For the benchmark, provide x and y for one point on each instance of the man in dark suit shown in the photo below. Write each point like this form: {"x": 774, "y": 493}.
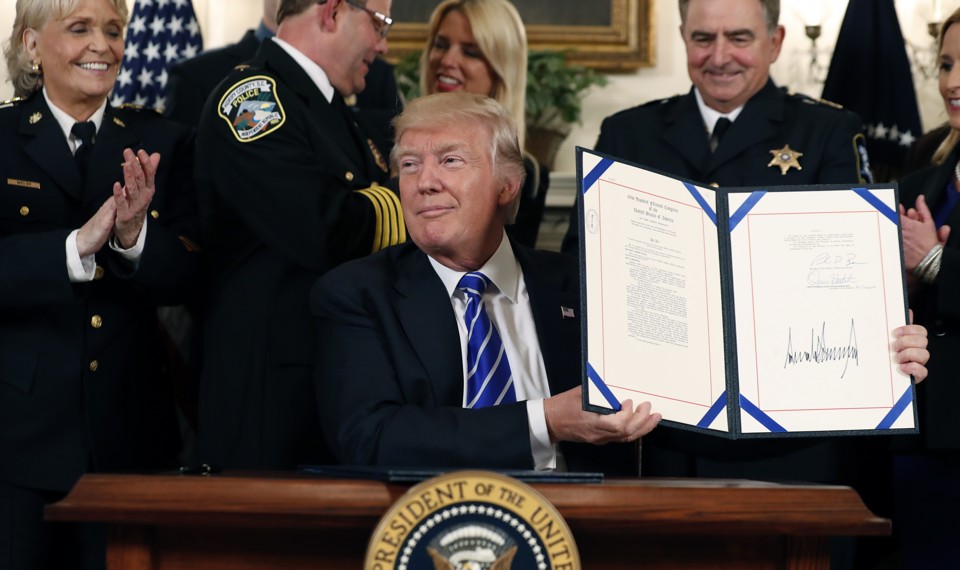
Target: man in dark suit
{"x": 766, "y": 135}
{"x": 288, "y": 189}
{"x": 393, "y": 375}
{"x": 191, "y": 81}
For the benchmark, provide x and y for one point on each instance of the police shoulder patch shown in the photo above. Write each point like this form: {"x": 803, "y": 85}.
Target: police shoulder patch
{"x": 862, "y": 158}
{"x": 252, "y": 108}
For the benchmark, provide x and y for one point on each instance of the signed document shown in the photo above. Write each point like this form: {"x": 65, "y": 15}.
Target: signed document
{"x": 743, "y": 312}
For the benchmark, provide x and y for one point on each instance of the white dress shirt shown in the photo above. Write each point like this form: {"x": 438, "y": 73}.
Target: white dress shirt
{"x": 83, "y": 269}
{"x": 711, "y": 116}
{"x": 508, "y": 305}
{"x": 316, "y": 73}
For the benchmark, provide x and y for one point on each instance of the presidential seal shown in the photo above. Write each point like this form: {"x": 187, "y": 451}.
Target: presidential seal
{"x": 472, "y": 520}
{"x": 252, "y": 108}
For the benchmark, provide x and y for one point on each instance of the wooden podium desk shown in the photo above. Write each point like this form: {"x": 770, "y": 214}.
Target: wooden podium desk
{"x": 245, "y": 521}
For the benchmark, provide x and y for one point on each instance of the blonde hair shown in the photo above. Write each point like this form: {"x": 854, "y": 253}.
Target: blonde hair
{"x": 462, "y": 108}
{"x": 501, "y": 37}
{"x": 34, "y": 14}
{"x": 948, "y": 144}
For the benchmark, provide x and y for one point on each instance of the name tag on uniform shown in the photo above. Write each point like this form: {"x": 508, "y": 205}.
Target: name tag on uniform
{"x": 23, "y": 183}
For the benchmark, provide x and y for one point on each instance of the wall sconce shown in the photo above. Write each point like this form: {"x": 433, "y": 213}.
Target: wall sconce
{"x": 813, "y": 13}
{"x": 924, "y": 59}
{"x": 923, "y": 56}
{"x": 818, "y": 69}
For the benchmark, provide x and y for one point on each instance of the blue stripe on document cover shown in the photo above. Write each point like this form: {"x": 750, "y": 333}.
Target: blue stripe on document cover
{"x": 714, "y": 411}
{"x": 887, "y": 211}
{"x": 601, "y": 385}
{"x": 703, "y": 203}
{"x": 591, "y": 178}
{"x": 758, "y": 414}
{"x": 745, "y": 208}
{"x": 897, "y": 410}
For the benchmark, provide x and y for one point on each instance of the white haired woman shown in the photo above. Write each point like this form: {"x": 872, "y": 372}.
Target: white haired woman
{"x": 97, "y": 226}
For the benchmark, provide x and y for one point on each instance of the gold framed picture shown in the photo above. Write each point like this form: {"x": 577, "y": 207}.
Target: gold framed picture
{"x": 616, "y": 35}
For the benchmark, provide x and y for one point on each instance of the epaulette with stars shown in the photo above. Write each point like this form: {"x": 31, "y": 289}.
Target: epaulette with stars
{"x": 11, "y": 102}
{"x": 814, "y": 100}
{"x": 663, "y": 101}
{"x": 139, "y": 108}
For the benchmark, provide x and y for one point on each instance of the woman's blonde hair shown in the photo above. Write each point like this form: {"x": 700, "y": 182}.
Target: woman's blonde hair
{"x": 946, "y": 147}
{"x": 501, "y": 37}
{"x": 34, "y": 14}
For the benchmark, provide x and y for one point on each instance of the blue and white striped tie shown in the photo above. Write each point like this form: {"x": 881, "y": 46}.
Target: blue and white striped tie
{"x": 489, "y": 380}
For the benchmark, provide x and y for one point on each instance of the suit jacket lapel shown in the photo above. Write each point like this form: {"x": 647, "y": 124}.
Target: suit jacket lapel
{"x": 757, "y": 122}
{"x": 427, "y": 317}
{"x": 686, "y": 134}
{"x": 48, "y": 147}
{"x": 935, "y": 186}
{"x": 551, "y": 288}
{"x": 113, "y": 136}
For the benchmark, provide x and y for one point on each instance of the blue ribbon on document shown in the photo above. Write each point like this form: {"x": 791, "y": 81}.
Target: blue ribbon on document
{"x": 602, "y": 386}
{"x": 595, "y": 173}
{"x": 745, "y": 208}
{"x": 759, "y": 415}
{"x": 714, "y": 411}
{"x": 887, "y": 211}
{"x": 897, "y": 410}
{"x": 703, "y": 203}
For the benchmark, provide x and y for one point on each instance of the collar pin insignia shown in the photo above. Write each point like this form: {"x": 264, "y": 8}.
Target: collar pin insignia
{"x": 35, "y": 118}
{"x": 377, "y": 157}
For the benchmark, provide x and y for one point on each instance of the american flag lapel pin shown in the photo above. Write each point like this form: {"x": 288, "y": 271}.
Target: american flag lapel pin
{"x": 567, "y": 313}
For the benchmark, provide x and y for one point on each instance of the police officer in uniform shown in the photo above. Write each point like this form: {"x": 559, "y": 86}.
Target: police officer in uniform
{"x": 766, "y": 136}
{"x": 191, "y": 81}
{"x": 98, "y": 227}
{"x": 737, "y": 128}
{"x": 288, "y": 189}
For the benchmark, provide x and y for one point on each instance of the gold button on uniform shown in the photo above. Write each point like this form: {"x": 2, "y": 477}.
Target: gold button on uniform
{"x": 348, "y": 176}
{"x": 714, "y": 185}
{"x": 94, "y": 365}
{"x": 24, "y": 211}
{"x": 96, "y": 321}
{"x": 98, "y": 273}
{"x": 154, "y": 214}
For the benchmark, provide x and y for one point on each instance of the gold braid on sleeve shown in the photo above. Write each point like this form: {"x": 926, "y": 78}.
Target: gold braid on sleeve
{"x": 390, "y": 228}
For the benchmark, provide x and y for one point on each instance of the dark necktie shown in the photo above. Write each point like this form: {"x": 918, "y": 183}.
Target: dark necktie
{"x": 489, "y": 380}
{"x": 719, "y": 129}
{"x": 84, "y": 133}
{"x": 347, "y": 115}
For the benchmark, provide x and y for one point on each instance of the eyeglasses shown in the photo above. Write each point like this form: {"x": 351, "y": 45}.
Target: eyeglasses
{"x": 381, "y": 22}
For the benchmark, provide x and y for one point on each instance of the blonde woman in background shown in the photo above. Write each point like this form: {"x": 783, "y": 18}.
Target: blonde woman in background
{"x": 480, "y": 46}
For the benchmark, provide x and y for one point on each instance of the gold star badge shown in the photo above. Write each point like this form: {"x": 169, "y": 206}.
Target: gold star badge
{"x": 786, "y": 158}
{"x": 35, "y": 118}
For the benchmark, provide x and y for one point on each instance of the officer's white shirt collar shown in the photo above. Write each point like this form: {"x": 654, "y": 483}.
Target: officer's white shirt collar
{"x": 316, "y": 73}
{"x": 502, "y": 269}
{"x": 66, "y": 122}
{"x": 711, "y": 116}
